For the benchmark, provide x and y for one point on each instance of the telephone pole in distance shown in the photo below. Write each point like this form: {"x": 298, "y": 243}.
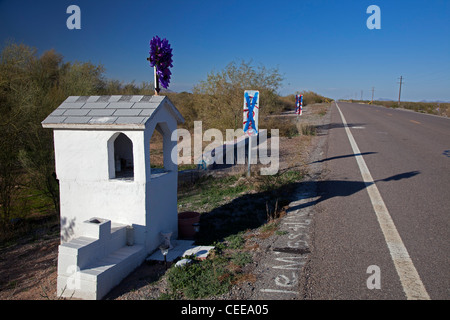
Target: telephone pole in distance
{"x": 373, "y": 90}
{"x": 400, "y": 89}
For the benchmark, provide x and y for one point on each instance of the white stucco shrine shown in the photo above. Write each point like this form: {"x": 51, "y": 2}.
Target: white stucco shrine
{"x": 114, "y": 206}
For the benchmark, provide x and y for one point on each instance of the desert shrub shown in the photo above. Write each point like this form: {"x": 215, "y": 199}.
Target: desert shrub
{"x": 287, "y": 127}
{"x": 308, "y": 129}
{"x": 31, "y": 87}
{"x": 223, "y": 93}
{"x": 436, "y": 108}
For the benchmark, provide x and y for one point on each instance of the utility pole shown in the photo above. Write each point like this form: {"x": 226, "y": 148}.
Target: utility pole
{"x": 361, "y": 94}
{"x": 373, "y": 90}
{"x": 400, "y": 90}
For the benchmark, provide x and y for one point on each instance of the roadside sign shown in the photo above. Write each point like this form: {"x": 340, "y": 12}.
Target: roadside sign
{"x": 251, "y": 110}
{"x": 299, "y": 104}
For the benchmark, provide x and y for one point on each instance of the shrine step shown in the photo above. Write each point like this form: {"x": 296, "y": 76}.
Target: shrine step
{"x": 80, "y": 252}
{"x": 99, "y": 277}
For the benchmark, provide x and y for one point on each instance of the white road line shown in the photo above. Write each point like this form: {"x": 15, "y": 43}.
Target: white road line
{"x": 409, "y": 278}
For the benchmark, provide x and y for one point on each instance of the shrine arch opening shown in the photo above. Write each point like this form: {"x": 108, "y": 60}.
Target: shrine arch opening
{"x": 120, "y": 154}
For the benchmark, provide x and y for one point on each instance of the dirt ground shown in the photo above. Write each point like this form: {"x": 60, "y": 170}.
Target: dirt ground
{"x": 28, "y": 271}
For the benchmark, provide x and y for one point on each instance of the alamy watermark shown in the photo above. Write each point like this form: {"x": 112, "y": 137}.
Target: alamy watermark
{"x": 374, "y": 21}
{"x": 374, "y": 280}
{"x": 74, "y": 20}
{"x": 231, "y": 151}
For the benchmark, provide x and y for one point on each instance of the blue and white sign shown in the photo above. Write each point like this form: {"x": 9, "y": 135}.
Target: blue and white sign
{"x": 251, "y": 110}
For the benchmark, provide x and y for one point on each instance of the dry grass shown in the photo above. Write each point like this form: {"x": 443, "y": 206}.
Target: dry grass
{"x": 244, "y": 278}
{"x": 436, "y": 108}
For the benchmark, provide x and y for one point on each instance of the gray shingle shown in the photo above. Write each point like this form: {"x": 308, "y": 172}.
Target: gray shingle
{"x": 58, "y": 112}
{"x": 103, "y": 120}
{"x": 157, "y": 99}
{"x": 93, "y": 99}
{"x": 146, "y": 105}
{"x": 126, "y": 98}
{"x": 78, "y": 120}
{"x": 104, "y": 99}
{"x": 72, "y": 99}
{"x": 127, "y": 112}
{"x": 120, "y": 105}
{"x": 95, "y": 105}
{"x": 71, "y": 105}
{"x": 145, "y": 98}
{"x": 101, "y": 112}
{"x": 130, "y": 120}
{"x": 146, "y": 112}
{"x": 76, "y": 112}
{"x": 51, "y": 119}
{"x": 136, "y": 98}
{"x": 114, "y": 98}
{"x": 83, "y": 98}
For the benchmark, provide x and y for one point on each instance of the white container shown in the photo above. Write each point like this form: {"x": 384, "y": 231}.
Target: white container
{"x": 130, "y": 236}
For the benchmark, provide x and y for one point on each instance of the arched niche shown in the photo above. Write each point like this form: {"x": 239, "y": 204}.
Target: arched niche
{"x": 120, "y": 157}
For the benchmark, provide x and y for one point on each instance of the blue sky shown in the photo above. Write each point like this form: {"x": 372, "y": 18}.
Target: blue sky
{"x": 318, "y": 45}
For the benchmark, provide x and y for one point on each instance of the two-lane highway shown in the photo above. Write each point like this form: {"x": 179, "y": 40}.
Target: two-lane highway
{"x": 384, "y": 205}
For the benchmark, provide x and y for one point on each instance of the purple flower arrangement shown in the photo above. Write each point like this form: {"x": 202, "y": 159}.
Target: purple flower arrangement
{"x": 161, "y": 58}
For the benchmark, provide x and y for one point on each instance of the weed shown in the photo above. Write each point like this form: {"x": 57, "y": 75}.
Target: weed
{"x": 212, "y": 276}
{"x": 241, "y": 258}
{"x": 308, "y": 129}
{"x": 235, "y": 241}
{"x": 219, "y": 247}
{"x": 269, "y": 227}
{"x": 287, "y": 128}
{"x": 282, "y": 178}
{"x": 322, "y": 112}
{"x": 209, "y": 193}
{"x": 198, "y": 280}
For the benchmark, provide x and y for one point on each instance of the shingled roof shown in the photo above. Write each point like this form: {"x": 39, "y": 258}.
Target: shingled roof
{"x": 101, "y": 112}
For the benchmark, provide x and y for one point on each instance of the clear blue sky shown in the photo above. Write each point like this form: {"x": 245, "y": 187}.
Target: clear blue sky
{"x": 319, "y": 45}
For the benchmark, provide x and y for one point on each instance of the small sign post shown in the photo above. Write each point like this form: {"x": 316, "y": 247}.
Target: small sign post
{"x": 251, "y": 110}
{"x": 299, "y": 105}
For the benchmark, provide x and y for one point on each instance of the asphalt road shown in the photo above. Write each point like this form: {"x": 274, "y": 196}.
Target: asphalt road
{"x": 408, "y": 156}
